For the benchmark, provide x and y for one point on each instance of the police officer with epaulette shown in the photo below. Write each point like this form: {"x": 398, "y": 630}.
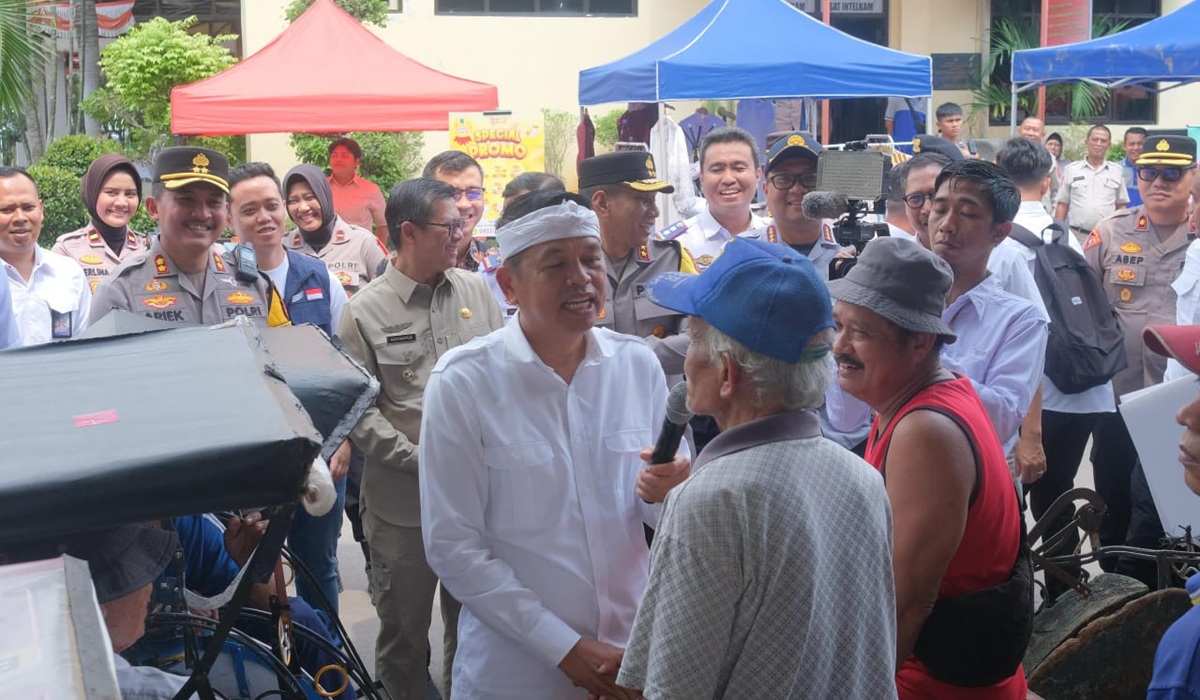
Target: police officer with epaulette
{"x": 791, "y": 174}
{"x": 181, "y": 278}
{"x": 623, "y": 188}
{"x": 1137, "y": 253}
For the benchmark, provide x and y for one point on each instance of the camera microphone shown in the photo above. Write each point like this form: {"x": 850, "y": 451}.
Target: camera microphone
{"x": 674, "y": 425}
{"x": 824, "y": 205}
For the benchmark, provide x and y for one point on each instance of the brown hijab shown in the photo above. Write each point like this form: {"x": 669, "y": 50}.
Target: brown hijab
{"x": 93, "y": 182}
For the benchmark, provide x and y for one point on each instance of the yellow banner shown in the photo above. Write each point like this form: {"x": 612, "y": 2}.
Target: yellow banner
{"x": 505, "y": 145}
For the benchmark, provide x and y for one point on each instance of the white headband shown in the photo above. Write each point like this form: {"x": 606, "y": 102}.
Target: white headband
{"x": 567, "y": 220}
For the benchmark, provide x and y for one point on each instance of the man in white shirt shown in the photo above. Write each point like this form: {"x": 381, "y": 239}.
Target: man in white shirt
{"x": 50, "y": 295}
{"x": 533, "y": 489}
{"x": 1092, "y": 188}
{"x": 1001, "y": 343}
{"x": 1066, "y": 419}
{"x": 729, "y": 173}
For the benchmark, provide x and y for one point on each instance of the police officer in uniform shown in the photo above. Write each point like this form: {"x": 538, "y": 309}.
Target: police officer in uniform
{"x": 1137, "y": 253}
{"x": 111, "y": 190}
{"x": 623, "y": 189}
{"x": 791, "y": 174}
{"x": 181, "y": 278}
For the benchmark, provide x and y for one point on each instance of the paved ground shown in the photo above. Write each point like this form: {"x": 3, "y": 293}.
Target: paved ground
{"x": 358, "y": 615}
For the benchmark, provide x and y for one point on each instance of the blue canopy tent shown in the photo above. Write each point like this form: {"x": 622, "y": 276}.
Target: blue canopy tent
{"x": 782, "y": 53}
{"x": 1163, "y": 50}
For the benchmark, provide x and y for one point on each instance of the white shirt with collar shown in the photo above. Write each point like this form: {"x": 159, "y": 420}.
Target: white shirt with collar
{"x": 1187, "y": 303}
{"x": 703, "y": 236}
{"x": 1001, "y": 348}
{"x": 528, "y": 503}
{"x": 53, "y": 304}
{"x": 1098, "y": 399}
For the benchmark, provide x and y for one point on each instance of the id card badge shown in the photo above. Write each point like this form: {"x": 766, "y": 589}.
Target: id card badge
{"x": 61, "y": 324}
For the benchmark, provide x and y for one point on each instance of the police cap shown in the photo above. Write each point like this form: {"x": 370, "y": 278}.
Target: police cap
{"x": 178, "y": 166}
{"x": 1168, "y": 150}
{"x": 632, "y": 168}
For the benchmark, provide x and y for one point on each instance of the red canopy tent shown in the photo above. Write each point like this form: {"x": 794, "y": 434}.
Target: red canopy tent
{"x": 326, "y": 73}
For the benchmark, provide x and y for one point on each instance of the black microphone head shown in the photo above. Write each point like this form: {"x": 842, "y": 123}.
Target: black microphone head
{"x": 678, "y": 411}
{"x": 824, "y": 205}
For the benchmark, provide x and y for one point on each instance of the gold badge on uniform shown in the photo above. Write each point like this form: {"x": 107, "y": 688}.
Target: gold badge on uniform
{"x": 341, "y": 237}
{"x": 1162, "y": 145}
{"x": 603, "y": 314}
{"x": 828, "y": 232}
{"x": 1130, "y": 248}
{"x": 1126, "y": 274}
{"x": 91, "y": 260}
{"x": 296, "y": 240}
{"x": 916, "y": 147}
{"x": 643, "y": 253}
{"x": 772, "y": 234}
{"x": 160, "y": 301}
{"x": 94, "y": 237}
{"x": 93, "y": 283}
{"x": 408, "y": 375}
{"x": 131, "y": 240}
{"x": 796, "y": 140}
{"x": 217, "y": 258}
{"x": 160, "y": 265}
{"x": 240, "y": 297}
{"x": 1126, "y": 295}
{"x": 155, "y": 286}
{"x": 704, "y": 260}
{"x": 1142, "y": 224}
{"x": 1093, "y": 240}
{"x": 650, "y": 166}
{"x": 658, "y": 332}
{"x": 344, "y": 278}
{"x": 464, "y": 312}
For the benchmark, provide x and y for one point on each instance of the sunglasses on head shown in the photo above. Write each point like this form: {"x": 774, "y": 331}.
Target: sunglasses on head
{"x": 1150, "y": 173}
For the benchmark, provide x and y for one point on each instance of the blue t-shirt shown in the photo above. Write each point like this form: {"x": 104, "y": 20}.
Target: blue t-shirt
{"x": 1135, "y": 197}
{"x": 1177, "y": 661}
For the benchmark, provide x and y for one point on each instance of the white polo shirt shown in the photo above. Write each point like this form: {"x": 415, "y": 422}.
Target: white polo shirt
{"x": 53, "y": 304}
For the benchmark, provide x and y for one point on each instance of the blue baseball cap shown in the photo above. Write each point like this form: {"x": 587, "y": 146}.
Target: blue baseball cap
{"x": 765, "y": 296}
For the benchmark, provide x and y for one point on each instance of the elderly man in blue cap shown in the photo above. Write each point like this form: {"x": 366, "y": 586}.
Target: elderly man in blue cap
{"x": 750, "y": 548}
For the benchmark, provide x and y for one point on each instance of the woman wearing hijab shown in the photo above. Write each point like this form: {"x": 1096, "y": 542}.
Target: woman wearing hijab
{"x": 111, "y": 191}
{"x": 352, "y": 254}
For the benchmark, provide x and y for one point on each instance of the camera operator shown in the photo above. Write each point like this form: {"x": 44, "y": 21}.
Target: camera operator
{"x": 791, "y": 174}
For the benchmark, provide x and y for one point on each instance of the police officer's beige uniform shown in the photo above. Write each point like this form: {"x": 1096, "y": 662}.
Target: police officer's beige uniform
{"x": 627, "y": 309}
{"x": 353, "y": 254}
{"x": 151, "y": 284}
{"x": 398, "y": 329}
{"x": 88, "y": 248}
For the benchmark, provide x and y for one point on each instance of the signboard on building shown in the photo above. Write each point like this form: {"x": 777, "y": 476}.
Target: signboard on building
{"x": 505, "y": 145}
{"x": 841, "y": 7}
{"x": 1066, "y": 21}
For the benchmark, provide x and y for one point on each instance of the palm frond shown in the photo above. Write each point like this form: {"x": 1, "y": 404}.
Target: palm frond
{"x": 23, "y": 51}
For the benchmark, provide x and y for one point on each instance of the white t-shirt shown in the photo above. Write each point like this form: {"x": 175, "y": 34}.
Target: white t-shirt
{"x": 337, "y": 299}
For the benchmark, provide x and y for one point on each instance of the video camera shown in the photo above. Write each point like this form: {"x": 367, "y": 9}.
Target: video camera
{"x": 851, "y": 183}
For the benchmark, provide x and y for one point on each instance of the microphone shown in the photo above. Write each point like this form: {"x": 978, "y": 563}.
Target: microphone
{"x": 678, "y": 415}
{"x": 824, "y": 205}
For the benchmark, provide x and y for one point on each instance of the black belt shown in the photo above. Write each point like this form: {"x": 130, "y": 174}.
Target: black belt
{"x": 1080, "y": 229}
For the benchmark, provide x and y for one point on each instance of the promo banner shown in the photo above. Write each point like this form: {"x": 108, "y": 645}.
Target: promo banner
{"x": 505, "y": 145}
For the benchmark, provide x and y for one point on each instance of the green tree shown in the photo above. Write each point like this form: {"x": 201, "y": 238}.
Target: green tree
{"x": 606, "y": 129}
{"x": 64, "y": 210}
{"x": 373, "y": 11}
{"x": 76, "y": 152}
{"x": 142, "y": 66}
{"x": 22, "y": 52}
{"x": 389, "y": 158}
{"x": 558, "y": 133}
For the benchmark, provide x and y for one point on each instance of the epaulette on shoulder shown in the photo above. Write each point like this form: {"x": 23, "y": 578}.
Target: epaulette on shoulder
{"x": 673, "y": 231}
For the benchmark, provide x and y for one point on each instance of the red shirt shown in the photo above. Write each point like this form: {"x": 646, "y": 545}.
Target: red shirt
{"x": 990, "y": 540}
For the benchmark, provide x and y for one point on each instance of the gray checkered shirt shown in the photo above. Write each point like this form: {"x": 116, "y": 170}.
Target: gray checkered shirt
{"x": 771, "y": 574}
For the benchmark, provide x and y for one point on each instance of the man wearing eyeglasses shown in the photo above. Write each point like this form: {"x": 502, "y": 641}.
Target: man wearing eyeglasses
{"x": 397, "y": 327}
{"x": 465, "y": 175}
{"x": 791, "y": 174}
{"x": 1138, "y": 253}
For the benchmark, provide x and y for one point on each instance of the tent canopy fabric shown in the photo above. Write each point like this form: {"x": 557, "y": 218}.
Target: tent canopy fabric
{"x": 783, "y": 53}
{"x": 1166, "y": 49}
{"x": 325, "y": 73}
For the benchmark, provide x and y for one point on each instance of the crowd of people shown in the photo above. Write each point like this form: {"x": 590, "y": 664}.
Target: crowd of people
{"x": 844, "y": 518}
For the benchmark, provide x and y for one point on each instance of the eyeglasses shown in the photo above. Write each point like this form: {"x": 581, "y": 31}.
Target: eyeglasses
{"x": 787, "y": 182}
{"x": 916, "y": 200}
{"x": 474, "y": 194}
{"x": 1150, "y": 174}
{"x": 451, "y": 228}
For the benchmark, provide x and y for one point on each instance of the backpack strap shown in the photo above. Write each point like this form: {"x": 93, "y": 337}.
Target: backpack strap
{"x": 1058, "y": 231}
{"x": 1024, "y": 236}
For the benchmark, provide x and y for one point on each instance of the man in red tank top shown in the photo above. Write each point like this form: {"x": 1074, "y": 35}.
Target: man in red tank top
{"x": 957, "y": 527}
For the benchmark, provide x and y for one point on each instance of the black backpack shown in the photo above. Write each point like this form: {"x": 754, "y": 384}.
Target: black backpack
{"x": 1087, "y": 345}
